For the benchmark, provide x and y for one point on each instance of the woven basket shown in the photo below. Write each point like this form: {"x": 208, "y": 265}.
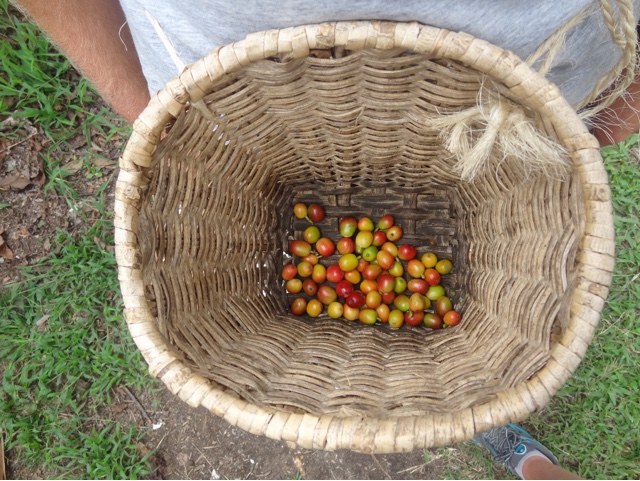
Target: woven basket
{"x": 334, "y": 113}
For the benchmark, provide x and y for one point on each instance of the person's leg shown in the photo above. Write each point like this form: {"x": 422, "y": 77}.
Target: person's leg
{"x": 94, "y": 35}
{"x": 538, "y": 467}
{"x": 522, "y": 454}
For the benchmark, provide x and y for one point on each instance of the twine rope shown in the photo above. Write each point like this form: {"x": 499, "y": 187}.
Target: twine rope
{"x": 496, "y": 123}
{"x": 625, "y": 35}
{"x": 175, "y": 58}
{"x": 552, "y": 46}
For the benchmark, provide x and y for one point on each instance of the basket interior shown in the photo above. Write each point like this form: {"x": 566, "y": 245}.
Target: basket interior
{"x": 349, "y": 133}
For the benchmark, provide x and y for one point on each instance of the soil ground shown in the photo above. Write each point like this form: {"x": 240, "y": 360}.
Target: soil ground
{"x": 194, "y": 444}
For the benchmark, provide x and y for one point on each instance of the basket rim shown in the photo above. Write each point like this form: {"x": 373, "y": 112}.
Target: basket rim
{"x": 369, "y": 434}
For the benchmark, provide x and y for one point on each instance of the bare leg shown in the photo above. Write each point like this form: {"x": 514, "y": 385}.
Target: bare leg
{"x": 621, "y": 119}
{"x": 541, "y": 468}
{"x": 93, "y": 34}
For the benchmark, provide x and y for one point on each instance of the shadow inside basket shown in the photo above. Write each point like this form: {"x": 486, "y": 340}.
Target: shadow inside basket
{"x": 217, "y": 220}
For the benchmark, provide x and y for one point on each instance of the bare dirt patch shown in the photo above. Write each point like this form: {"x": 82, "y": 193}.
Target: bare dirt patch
{"x": 29, "y": 219}
{"x": 192, "y": 443}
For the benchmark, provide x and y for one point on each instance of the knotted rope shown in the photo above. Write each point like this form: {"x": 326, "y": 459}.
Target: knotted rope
{"x": 496, "y": 124}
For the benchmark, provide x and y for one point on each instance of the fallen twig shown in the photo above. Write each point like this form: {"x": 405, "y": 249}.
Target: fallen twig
{"x": 386, "y": 473}
{"x": 3, "y": 474}
{"x": 6, "y": 149}
{"x": 137, "y": 404}
{"x": 412, "y": 469}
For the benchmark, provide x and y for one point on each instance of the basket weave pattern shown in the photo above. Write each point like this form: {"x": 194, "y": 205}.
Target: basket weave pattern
{"x": 203, "y": 218}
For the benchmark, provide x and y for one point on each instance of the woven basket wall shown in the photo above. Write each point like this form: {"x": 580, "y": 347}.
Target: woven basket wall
{"x": 335, "y": 114}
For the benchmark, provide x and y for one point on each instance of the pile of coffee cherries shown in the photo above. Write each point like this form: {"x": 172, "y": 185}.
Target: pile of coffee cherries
{"x": 374, "y": 279}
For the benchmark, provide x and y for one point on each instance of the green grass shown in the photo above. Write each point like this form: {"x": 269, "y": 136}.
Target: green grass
{"x": 593, "y": 423}
{"x": 58, "y": 376}
{"x": 465, "y": 461}
{"x": 39, "y": 85}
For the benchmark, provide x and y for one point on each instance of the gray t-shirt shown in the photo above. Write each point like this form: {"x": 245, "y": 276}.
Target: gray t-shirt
{"x": 195, "y": 27}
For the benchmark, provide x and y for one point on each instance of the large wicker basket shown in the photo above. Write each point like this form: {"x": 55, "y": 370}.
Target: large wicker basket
{"x": 335, "y": 113}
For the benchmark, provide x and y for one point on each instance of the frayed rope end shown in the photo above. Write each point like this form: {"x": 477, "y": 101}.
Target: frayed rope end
{"x": 488, "y": 134}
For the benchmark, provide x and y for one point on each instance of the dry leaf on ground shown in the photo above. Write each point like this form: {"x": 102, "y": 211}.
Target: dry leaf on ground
{"x": 102, "y": 162}
{"x": 73, "y": 166}
{"x": 5, "y": 252}
{"x": 14, "y": 182}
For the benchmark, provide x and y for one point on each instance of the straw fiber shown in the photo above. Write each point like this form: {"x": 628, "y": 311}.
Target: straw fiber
{"x": 338, "y": 114}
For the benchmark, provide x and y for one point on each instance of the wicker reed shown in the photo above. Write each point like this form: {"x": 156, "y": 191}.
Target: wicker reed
{"x": 334, "y": 113}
